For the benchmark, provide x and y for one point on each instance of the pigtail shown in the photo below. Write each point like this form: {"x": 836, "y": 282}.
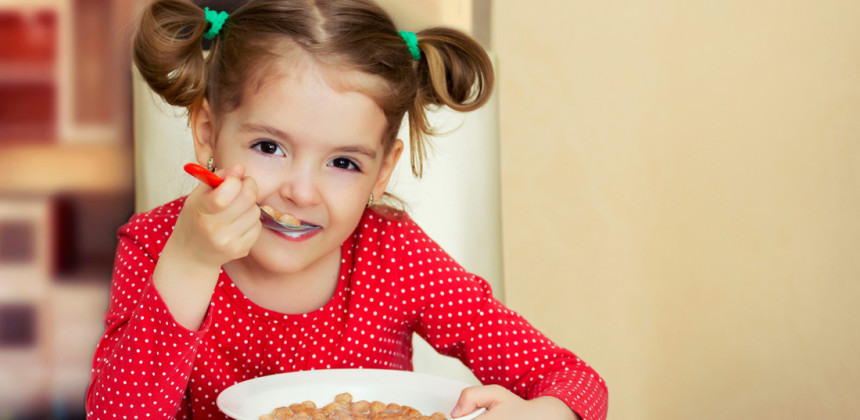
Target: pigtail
{"x": 168, "y": 51}
{"x": 454, "y": 71}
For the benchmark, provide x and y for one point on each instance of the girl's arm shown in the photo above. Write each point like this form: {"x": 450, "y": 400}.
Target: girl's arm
{"x": 166, "y": 269}
{"x": 143, "y": 361}
{"x": 215, "y": 226}
{"x": 502, "y": 404}
{"x": 502, "y": 348}
{"x": 460, "y": 317}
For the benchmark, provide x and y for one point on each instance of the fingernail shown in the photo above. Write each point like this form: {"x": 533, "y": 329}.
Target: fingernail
{"x": 455, "y": 411}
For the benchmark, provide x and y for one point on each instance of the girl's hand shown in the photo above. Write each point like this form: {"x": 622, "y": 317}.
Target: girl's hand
{"x": 219, "y": 225}
{"x": 502, "y": 404}
{"x": 214, "y": 227}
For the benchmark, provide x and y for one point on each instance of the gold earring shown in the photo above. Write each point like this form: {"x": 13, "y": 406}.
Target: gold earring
{"x": 210, "y": 165}
{"x": 370, "y": 203}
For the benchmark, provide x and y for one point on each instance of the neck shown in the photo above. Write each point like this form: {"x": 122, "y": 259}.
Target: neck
{"x": 291, "y": 293}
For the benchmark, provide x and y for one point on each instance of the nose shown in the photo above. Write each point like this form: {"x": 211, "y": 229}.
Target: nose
{"x": 300, "y": 186}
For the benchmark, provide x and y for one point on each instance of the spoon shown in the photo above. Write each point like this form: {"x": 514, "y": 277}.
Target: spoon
{"x": 268, "y": 221}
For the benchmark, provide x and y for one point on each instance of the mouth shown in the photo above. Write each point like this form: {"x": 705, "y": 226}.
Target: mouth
{"x": 284, "y": 222}
{"x": 299, "y": 232}
{"x": 303, "y": 226}
{"x": 285, "y": 219}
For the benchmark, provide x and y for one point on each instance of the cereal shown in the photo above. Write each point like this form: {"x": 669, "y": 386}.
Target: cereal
{"x": 285, "y": 218}
{"x": 289, "y": 219}
{"x": 282, "y": 413}
{"x": 344, "y": 408}
{"x": 343, "y": 399}
{"x": 377, "y": 407}
{"x": 359, "y": 407}
{"x": 268, "y": 209}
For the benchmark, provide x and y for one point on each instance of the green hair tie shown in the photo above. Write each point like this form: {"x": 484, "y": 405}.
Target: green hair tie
{"x": 411, "y": 42}
{"x": 217, "y": 20}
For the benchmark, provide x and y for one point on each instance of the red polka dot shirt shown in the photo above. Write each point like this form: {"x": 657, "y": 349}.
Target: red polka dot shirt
{"x": 394, "y": 281}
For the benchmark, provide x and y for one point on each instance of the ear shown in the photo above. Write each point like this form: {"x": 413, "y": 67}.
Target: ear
{"x": 388, "y": 165}
{"x": 203, "y": 132}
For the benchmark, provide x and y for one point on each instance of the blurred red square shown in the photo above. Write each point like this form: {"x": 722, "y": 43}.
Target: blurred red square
{"x": 28, "y": 36}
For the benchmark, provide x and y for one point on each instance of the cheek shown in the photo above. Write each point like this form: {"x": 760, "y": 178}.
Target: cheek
{"x": 268, "y": 183}
{"x": 229, "y": 158}
{"x": 347, "y": 202}
{"x": 345, "y": 206}
{"x": 349, "y": 188}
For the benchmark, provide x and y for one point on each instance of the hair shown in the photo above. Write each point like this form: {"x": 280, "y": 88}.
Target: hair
{"x": 453, "y": 71}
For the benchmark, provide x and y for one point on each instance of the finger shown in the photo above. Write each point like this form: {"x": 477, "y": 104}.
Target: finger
{"x": 249, "y": 237}
{"x": 247, "y": 186}
{"x": 195, "y": 203}
{"x": 475, "y": 397}
{"x": 248, "y": 220}
{"x": 240, "y": 244}
{"x": 244, "y": 232}
{"x": 244, "y": 204}
{"x": 220, "y": 198}
{"x": 200, "y": 189}
{"x": 251, "y": 185}
{"x": 223, "y": 195}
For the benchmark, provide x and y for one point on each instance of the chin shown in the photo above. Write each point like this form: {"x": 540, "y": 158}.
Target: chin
{"x": 278, "y": 261}
{"x": 277, "y": 256}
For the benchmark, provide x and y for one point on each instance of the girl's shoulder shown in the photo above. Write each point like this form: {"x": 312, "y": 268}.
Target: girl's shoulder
{"x": 398, "y": 248}
{"x": 382, "y": 225}
{"x": 155, "y": 223}
{"x": 393, "y": 233}
{"x": 167, "y": 211}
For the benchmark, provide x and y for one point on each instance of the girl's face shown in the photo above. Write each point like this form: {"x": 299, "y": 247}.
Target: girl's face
{"x": 314, "y": 147}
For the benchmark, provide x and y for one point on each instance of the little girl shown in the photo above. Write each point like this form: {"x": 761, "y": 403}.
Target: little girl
{"x": 299, "y": 103}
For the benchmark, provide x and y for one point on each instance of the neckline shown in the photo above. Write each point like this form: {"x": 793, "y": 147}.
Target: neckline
{"x": 232, "y": 293}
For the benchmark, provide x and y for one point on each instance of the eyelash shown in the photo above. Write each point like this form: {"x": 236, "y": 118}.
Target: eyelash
{"x": 350, "y": 164}
{"x": 259, "y": 147}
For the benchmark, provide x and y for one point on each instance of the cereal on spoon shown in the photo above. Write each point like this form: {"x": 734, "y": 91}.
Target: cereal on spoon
{"x": 281, "y": 217}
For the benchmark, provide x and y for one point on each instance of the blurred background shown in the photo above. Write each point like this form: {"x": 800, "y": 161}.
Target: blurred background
{"x": 680, "y": 190}
{"x": 66, "y": 170}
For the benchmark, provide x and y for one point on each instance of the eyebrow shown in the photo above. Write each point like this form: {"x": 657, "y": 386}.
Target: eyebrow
{"x": 370, "y": 153}
{"x": 257, "y": 128}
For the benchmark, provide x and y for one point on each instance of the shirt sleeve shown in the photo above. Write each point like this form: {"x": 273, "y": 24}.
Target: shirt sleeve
{"x": 463, "y": 320}
{"x": 143, "y": 361}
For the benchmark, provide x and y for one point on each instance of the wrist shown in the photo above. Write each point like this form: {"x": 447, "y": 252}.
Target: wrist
{"x": 182, "y": 246}
{"x": 554, "y": 408}
{"x": 185, "y": 284}
{"x": 181, "y": 264}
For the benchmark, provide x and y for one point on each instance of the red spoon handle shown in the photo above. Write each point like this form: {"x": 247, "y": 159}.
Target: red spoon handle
{"x": 203, "y": 174}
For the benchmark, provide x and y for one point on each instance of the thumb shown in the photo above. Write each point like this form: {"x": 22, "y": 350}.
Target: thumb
{"x": 475, "y": 397}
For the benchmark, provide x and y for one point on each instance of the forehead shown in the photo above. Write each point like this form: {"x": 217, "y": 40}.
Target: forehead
{"x": 286, "y": 58}
{"x": 315, "y": 100}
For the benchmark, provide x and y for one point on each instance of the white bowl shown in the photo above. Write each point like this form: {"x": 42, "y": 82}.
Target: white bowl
{"x": 250, "y": 399}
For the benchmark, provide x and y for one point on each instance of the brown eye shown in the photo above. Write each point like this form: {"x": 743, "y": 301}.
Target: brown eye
{"x": 269, "y": 148}
{"x": 344, "y": 163}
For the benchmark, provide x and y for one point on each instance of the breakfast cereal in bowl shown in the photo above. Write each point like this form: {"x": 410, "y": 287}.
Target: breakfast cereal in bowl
{"x": 344, "y": 394}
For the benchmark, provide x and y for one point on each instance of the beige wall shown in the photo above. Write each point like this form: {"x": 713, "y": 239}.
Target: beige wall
{"x": 681, "y": 191}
